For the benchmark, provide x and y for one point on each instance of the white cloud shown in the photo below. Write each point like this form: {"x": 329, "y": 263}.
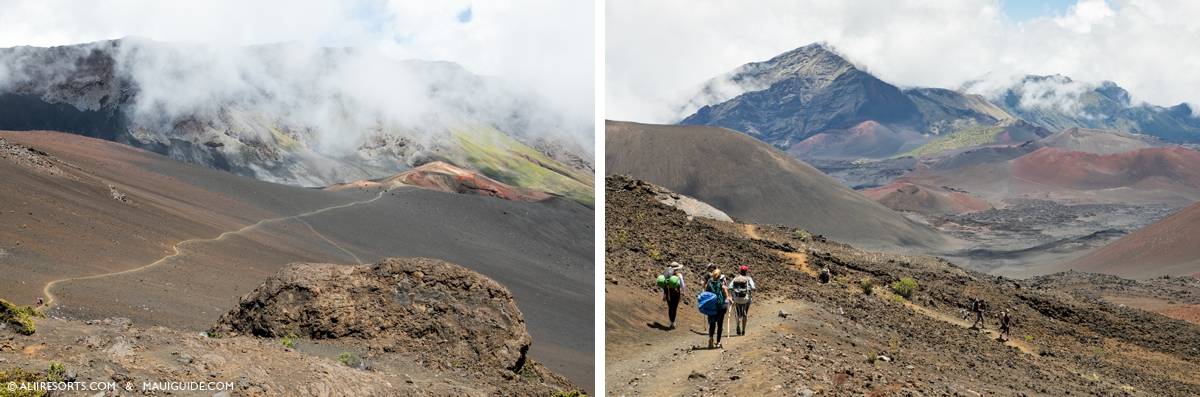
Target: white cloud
{"x": 544, "y": 44}
{"x": 659, "y": 49}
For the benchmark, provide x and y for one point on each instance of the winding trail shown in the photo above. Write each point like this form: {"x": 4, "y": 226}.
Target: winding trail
{"x": 798, "y": 258}
{"x": 50, "y": 296}
{"x": 995, "y": 333}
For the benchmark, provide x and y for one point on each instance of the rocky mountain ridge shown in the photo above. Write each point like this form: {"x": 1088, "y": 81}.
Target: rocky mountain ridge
{"x": 800, "y": 94}
{"x": 282, "y": 112}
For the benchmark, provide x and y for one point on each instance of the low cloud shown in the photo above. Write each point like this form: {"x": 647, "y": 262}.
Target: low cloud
{"x": 288, "y": 55}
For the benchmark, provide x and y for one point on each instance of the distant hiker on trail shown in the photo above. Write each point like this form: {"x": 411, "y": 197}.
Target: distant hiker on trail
{"x": 740, "y": 288}
{"x": 1005, "y": 323}
{"x": 714, "y": 283}
{"x": 977, "y": 308}
{"x": 672, "y": 285}
{"x": 39, "y": 302}
{"x": 824, "y": 277}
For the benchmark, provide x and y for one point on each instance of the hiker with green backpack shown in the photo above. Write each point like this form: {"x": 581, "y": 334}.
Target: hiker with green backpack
{"x": 714, "y": 301}
{"x": 741, "y": 287}
{"x": 671, "y": 282}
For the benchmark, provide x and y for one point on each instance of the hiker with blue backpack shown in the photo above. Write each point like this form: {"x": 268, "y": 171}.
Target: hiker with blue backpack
{"x": 713, "y": 302}
{"x": 741, "y": 287}
{"x": 671, "y": 282}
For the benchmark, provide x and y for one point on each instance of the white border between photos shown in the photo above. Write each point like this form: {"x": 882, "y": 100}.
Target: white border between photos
{"x": 599, "y": 389}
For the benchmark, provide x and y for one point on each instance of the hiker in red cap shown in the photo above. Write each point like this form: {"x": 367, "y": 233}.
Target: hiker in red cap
{"x": 739, "y": 289}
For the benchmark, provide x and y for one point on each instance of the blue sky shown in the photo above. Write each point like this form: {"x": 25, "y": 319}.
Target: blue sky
{"x": 1024, "y": 10}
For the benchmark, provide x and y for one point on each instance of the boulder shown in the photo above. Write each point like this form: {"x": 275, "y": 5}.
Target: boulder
{"x": 415, "y": 305}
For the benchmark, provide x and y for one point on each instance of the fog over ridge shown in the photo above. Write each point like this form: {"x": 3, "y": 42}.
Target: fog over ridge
{"x": 332, "y": 101}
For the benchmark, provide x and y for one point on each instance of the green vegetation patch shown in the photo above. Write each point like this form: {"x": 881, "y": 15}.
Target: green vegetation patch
{"x": 905, "y": 287}
{"x": 19, "y": 376}
{"x": 968, "y": 136}
{"x": 867, "y": 286}
{"x": 21, "y": 316}
{"x": 504, "y": 159}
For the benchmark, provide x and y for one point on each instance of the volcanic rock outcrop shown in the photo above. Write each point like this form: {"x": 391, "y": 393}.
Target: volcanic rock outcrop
{"x": 419, "y": 306}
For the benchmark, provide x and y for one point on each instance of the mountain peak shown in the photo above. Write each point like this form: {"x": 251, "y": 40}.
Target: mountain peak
{"x": 815, "y": 59}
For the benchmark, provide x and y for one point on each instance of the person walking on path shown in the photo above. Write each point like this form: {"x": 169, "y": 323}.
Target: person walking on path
{"x": 825, "y": 274}
{"x": 714, "y": 282}
{"x": 39, "y": 302}
{"x": 1005, "y": 323}
{"x": 673, "y": 292}
{"x": 740, "y": 287}
{"x": 977, "y": 308}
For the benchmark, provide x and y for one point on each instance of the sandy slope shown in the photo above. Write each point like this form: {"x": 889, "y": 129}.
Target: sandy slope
{"x": 755, "y": 182}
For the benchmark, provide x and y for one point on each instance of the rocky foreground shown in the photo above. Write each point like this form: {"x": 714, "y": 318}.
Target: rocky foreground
{"x": 398, "y": 327}
{"x": 808, "y": 338}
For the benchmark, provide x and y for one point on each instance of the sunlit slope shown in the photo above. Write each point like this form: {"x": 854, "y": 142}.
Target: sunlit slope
{"x": 500, "y": 157}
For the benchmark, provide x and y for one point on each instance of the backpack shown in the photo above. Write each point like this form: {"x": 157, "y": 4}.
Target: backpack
{"x": 740, "y": 289}
{"x": 662, "y": 281}
{"x": 706, "y": 302}
{"x": 714, "y": 286}
{"x": 674, "y": 282}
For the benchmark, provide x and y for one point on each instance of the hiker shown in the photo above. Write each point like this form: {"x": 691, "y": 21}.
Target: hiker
{"x": 825, "y": 274}
{"x": 673, "y": 289}
{"x": 977, "y": 308}
{"x": 741, "y": 287}
{"x": 1005, "y": 322}
{"x": 714, "y": 283}
{"x": 39, "y": 302}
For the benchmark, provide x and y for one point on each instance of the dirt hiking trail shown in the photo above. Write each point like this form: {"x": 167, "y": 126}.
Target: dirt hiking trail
{"x": 50, "y": 296}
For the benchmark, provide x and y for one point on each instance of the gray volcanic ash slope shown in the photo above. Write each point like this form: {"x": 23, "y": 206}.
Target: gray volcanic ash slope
{"x": 752, "y": 181}
{"x": 279, "y": 112}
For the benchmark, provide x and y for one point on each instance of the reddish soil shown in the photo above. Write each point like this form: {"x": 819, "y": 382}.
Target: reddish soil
{"x": 905, "y": 196}
{"x": 1172, "y": 168}
{"x": 866, "y": 139}
{"x": 1187, "y": 313}
{"x": 444, "y": 177}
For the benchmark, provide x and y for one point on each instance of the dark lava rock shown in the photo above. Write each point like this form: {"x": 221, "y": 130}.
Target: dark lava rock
{"x": 415, "y": 305}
